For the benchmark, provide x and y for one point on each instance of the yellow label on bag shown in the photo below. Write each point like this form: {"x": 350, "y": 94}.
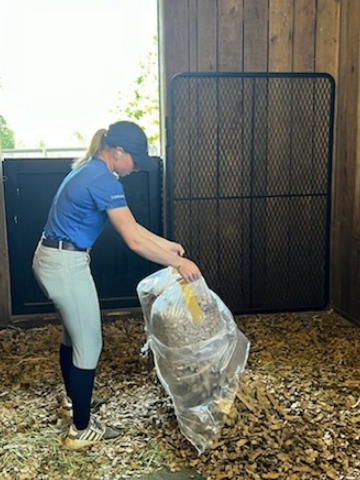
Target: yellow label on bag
{"x": 190, "y": 300}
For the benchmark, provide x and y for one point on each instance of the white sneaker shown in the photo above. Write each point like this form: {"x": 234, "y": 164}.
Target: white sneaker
{"x": 94, "y": 433}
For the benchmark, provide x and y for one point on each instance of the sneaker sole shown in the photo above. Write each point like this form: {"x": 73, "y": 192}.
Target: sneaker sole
{"x": 74, "y": 444}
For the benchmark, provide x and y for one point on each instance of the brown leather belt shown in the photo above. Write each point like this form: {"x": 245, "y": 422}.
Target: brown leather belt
{"x": 61, "y": 245}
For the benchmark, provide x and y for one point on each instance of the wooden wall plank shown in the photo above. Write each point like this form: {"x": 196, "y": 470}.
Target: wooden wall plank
{"x": 193, "y": 36}
{"x": 354, "y": 306}
{"x": 301, "y": 125}
{"x": 280, "y": 35}
{"x": 256, "y": 35}
{"x": 278, "y": 180}
{"x": 231, "y": 32}
{"x": 174, "y": 41}
{"x": 278, "y": 184}
{"x": 235, "y": 247}
{"x": 327, "y": 37}
{"x": 203, "y": 152}
{"x": 232, "y": 162}
{"x": 258, "y": 105}
{"x": 304, "y": 35}
{"x": 5, "y": 300}
{"x": 344, "y": 257}
{"x": 327, "y": 60}
{"x": 207, "y": 35}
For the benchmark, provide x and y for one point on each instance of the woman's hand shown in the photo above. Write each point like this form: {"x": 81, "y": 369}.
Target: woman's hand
{"x": 188, "y": 270}
{"x": 173, "y": 247}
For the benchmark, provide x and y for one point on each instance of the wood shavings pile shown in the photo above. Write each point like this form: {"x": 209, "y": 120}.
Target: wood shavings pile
{"x": 296, "y": 415}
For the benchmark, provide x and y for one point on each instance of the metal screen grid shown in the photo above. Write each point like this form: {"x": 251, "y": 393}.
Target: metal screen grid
{"x": 249, "y": 179}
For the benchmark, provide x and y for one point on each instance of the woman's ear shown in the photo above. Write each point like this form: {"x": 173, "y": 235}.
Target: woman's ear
{"x": 119, "y": 152}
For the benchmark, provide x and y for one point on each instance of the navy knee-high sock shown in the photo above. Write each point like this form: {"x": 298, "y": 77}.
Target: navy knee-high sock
{"x": 81, "y": 387}
{"x": 65, "y": 365}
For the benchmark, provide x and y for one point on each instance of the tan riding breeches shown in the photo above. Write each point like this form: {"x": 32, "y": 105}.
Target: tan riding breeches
{"x": 65, "y": 277}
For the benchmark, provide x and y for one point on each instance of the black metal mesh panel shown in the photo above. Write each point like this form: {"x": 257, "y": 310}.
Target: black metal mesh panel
{"x": 248, "y": 178}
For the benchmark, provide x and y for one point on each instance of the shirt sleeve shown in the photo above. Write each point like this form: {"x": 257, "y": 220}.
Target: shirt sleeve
{"x": 108, "y": 192}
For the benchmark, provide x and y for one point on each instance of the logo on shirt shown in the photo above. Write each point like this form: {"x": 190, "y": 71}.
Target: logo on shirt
{"x": 114, "y": 197}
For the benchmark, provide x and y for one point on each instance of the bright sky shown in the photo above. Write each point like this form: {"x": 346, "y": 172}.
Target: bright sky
{"x": 63, "y": 63}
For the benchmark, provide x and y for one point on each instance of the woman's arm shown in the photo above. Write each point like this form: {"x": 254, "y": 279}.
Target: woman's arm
{"x": 147, "y": 246}
{"x": 161, "y": 241}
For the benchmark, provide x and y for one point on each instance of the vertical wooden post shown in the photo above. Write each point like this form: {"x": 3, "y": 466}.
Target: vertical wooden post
{"x": 327, "y": 60}
{"x": 5, "y": 304}
{"x": 346, "y": 251}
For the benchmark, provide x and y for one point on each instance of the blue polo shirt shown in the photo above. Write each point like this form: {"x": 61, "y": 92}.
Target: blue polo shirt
{"x": 78, "y": 210}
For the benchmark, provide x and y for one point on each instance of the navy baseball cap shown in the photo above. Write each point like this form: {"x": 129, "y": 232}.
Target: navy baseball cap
{"x": 133, "y": 140}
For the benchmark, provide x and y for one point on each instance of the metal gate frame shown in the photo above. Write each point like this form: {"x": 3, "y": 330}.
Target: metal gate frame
{"x": 29, "y": 187}
{"x": 205, "y": 93}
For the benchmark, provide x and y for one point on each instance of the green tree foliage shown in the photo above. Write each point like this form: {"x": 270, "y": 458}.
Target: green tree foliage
{"x": 6, "y": 134}
{"x": 78, "y": 138}
{"x": 141, "y": 104}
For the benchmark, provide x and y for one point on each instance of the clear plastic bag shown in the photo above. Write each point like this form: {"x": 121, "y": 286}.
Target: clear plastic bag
{"x": 198, "y": 351}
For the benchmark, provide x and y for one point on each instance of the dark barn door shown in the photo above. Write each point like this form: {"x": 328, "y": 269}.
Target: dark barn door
{"x": 249, "y": 185}
{"x": 29, "y": 186}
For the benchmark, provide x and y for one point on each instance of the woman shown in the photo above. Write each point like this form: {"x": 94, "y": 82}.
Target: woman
{"x": 88, "y": 196}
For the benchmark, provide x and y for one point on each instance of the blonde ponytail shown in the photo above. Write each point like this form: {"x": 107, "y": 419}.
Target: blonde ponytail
{"x": 95, "y": 147}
